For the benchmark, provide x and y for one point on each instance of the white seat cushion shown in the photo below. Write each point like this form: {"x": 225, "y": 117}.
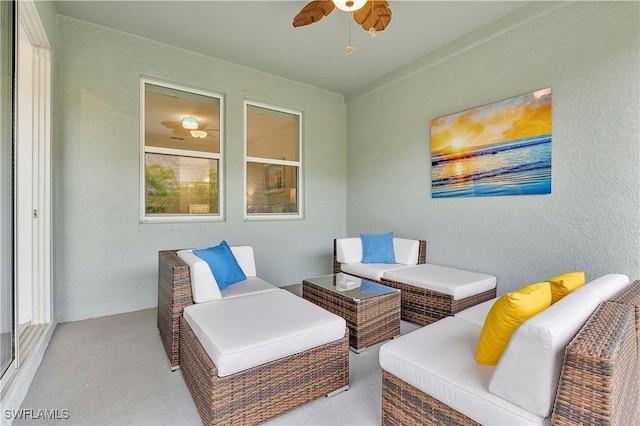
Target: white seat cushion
{"x": 529, "y": 370}
{"x": 477, "y": 313}
{"x": 373, "y": 271}
{"x": 439, "y": 360}
{"x": 242, "y": 332}
{"x": 454, "y": 282}
{"x": 251, "y": 285}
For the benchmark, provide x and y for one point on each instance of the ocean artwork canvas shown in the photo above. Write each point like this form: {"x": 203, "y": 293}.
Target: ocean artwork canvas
{"x": 499, "y": 149}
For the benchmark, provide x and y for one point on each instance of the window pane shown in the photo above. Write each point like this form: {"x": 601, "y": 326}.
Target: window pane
{"x": 271, "y": 188}
{"x": 272, "y": 134}
{"x": 181, "y": 120}
{"x": 180, "y": 185}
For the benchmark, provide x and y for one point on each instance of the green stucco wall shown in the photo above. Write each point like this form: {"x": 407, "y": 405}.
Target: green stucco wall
{"x": 588, "y": 53}
{"x": 105, "y": 259}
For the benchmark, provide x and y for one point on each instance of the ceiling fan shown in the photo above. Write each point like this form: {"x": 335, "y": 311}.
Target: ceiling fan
{"x": 190, "y": 126}
{"x": 371, "y": 15}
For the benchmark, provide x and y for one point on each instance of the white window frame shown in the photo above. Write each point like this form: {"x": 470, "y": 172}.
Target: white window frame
{"x": 299, "y": 164}
{"x": 220, "y": 216}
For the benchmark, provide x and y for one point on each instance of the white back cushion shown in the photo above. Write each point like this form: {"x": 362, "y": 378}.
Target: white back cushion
{"x": 605, "y": 287}
{"x": 406, "y": 251}
{"x": 349, "y": 250}
{"x": 204, "y": 287}
{"x": 529, "y": 370}
{"x": 244, "y": 256}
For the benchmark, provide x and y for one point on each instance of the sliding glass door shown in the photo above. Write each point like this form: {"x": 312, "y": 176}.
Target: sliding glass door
{"x": 7, "y": 195}
{"x": 25, "y": 186}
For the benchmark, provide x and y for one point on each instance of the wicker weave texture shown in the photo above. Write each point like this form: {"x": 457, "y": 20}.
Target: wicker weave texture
{"x": 370, "y": 321}
{"x": 420, "y": 305}
{"x": 598, "y": 384}
{"x": 258, "y": 394}
{"x": 422, "y": 256}
{"x": 630, "y": 296}
{"x": 423, "y": 306}
{"x": 405, "y": 405}
{"x": 599, "y": 381}
{"x": 174, "y": 294}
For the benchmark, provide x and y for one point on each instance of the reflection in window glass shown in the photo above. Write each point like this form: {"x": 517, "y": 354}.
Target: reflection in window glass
{"x": 272, "y": 188}
{"x": 180, "y": 185}
{"x": 272, "y": 134}
{"x": 182, "y": 152}
{"x": 273, "y": 144}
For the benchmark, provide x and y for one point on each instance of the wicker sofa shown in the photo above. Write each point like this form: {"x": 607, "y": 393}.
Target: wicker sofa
{"x": 239, "y": 389}
{"x": 577, "y": 362}
{"x": 428, "y": 292}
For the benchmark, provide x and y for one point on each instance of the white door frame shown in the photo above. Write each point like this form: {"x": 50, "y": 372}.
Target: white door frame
{"x": 39, "y": 187}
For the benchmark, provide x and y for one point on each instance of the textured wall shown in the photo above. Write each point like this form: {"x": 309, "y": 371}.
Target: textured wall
{"x": 47, "y": 14}
{"x": 105, "y": 260}
{"x": 588, "y": 53}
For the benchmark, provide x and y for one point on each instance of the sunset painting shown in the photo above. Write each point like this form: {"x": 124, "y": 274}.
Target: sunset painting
{"x": 499, "y": 149}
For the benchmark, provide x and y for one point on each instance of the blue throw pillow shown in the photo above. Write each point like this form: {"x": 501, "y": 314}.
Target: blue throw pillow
{"x": 378, "y": 248}
{"x": 223, "y": 264}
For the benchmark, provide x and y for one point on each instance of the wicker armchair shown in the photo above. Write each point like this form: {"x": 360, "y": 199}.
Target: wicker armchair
{"x": 599, "y": 383}
{"x": 250, "y": 396}
{"x": 421, "y": 305}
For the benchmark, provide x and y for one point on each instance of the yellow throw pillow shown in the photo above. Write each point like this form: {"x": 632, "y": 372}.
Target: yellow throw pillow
{"x": 565, "y": 284}
{"x": 506, "y": 315}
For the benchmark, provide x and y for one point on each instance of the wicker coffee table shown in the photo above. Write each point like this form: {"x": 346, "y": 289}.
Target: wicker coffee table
{"x": 371, "y": 310}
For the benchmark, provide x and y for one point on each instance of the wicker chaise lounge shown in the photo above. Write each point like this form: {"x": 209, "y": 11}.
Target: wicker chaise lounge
{"x": 596, "y": 372}
{"x": 253, "y": 395}
{"x": 423, "y": 300}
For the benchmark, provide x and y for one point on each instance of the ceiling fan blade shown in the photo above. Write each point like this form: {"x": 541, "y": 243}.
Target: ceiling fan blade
{"x": 176, "y": 127}
{"x": 171, "y": 124}
{"x": 313, "y": 12}
{"x": 375, "y": 14}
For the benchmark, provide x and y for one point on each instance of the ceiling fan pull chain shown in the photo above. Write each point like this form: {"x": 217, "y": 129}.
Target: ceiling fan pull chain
{"x": 372, "y": 30}
{"x": 349, "y": 48}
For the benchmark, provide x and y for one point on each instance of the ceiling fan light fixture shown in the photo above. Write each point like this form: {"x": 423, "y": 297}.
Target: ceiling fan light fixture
{"x": 190, "y": 123}
{"x": 349, "y": 5}
{"x": 198, "y": 134}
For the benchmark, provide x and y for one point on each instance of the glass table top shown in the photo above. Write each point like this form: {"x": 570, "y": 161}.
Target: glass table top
{"x": 350, "y": 286}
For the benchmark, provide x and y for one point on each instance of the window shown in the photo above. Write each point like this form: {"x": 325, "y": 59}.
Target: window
{"x": 182, "y": 153}
{"x": 273, "y": 167}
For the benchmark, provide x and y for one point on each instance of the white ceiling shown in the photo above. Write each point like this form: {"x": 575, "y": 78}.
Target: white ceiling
{"x": 260, "y": 35}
